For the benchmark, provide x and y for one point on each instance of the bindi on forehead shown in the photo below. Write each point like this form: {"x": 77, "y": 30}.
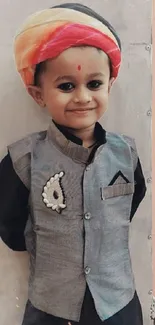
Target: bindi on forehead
{"x": 79, "y": 67}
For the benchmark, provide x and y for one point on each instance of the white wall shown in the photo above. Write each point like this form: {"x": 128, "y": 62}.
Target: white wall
{"x": 129, "y": 113}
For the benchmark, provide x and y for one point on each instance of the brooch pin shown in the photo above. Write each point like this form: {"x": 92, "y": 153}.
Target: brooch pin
{"x": 53, "y": 194}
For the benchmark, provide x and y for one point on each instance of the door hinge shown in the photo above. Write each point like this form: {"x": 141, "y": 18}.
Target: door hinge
{"x": 152, "y": 309}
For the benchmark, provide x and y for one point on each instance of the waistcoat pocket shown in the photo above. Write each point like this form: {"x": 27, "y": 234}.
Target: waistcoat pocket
{"x": 117, "y": 190}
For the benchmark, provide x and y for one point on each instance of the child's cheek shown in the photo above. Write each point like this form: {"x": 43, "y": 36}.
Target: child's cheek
{"x": 103, "y": 97}
{"x": 62, "y": 97}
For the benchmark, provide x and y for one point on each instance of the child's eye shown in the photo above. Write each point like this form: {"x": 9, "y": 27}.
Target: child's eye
{"x": 67, "y": 86}
{"x": 94, "y": 84}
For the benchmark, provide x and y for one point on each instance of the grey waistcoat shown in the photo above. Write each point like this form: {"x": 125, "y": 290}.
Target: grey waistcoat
{"x": 78, "y": 226}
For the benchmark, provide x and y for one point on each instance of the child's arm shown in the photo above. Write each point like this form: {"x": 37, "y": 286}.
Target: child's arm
{"x": 13, "y": 206}
{"x": 140, "y": 189}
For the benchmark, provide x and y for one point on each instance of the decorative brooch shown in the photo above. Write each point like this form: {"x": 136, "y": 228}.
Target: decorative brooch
{"x": 53, "y": 194}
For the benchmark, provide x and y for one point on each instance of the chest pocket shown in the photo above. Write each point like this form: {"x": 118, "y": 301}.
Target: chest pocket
{"x": 117, "y": 190}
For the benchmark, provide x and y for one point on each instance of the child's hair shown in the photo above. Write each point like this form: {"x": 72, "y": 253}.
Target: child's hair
{"x": 41, "y": 67}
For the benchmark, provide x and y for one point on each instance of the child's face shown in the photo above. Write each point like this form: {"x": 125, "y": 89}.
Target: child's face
{"x": 75, "y": 87}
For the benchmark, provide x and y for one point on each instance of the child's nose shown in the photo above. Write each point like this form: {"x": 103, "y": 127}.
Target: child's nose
{"x": 82, "y": 96}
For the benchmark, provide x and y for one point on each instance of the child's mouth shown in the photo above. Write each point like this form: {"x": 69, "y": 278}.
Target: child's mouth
{"x": 81, "y": 111}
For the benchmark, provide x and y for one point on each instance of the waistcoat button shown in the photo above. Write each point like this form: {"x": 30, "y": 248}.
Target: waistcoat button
{"x": 36, "y": 228}
{"x": 87, "y": 270}
{"x": 87, "y": 216}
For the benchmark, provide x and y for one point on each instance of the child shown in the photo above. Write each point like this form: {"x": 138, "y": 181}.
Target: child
{"x": 72, "y": 190}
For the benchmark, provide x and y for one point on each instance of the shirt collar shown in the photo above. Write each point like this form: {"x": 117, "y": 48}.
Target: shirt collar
{"x": 99, "y": 133}
{"x": 71, "y": 145}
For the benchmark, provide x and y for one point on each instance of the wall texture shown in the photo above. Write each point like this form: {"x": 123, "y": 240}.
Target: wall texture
{"x": 153, "y": 158}
{"x": 129, "y": 113}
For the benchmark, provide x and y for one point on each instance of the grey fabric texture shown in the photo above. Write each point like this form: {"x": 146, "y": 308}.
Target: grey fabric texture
{"x": 86, "y": 239}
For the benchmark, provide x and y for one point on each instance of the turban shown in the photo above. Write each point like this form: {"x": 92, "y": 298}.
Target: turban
{"x": 47, "y": 33}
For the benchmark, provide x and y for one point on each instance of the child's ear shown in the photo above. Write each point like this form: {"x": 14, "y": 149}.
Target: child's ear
{"x": 36, "y": 93}
{"x": 110, "y": 84}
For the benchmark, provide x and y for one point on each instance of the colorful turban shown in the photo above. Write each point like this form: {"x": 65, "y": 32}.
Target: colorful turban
{"x": 47, "y": 33}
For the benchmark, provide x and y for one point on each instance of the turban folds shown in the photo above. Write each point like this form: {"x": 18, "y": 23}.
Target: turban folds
{"x": 47, "y": 33}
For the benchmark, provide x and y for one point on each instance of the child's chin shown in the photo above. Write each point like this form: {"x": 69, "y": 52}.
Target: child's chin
{"x": 82, "y": 123}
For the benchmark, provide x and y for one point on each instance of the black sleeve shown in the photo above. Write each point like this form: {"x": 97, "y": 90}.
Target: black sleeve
{"x": 13, "y": 206}
{"x": 140, "y": 189}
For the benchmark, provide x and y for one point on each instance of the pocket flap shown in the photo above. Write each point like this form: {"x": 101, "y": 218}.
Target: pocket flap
{"x": 117, "y": 190}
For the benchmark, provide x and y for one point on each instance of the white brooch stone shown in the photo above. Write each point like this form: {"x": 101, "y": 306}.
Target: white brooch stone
{"x": 53, "y": 195}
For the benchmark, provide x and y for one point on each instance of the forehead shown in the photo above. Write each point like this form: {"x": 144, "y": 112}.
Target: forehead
{"x": 80, "y": 59}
